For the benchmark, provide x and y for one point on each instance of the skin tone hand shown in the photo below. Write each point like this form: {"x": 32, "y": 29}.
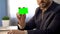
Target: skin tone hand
{"x": 16, "y": 32}
{"x": 21, "y": 19}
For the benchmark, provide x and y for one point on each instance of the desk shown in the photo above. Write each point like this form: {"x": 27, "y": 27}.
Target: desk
{"x": 4, "y": 30}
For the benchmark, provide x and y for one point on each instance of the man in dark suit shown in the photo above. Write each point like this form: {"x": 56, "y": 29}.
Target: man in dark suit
{"x": 45, "y": 21}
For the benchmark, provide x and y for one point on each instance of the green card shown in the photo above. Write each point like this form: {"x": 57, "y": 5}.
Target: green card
{"x": 23, "y": 10}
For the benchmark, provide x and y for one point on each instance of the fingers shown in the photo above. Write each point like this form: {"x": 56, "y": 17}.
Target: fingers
{"x": 20, "y": 16}
{"x": 10, "y": 32}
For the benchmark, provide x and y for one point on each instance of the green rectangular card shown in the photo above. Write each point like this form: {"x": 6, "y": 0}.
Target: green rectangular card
{"x": 23, "y": 10}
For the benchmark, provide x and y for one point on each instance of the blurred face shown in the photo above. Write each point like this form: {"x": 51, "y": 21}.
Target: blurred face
{"x": 43, "y": 3}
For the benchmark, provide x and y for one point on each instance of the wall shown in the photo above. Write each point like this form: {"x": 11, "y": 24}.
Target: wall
{"x": 3, "y": 9}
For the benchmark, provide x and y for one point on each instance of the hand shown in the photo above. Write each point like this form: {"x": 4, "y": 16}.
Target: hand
{"x": 16, "y": 32}
{"x": 21, "y": 19}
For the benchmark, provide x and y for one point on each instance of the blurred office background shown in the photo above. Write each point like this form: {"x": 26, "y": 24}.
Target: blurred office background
{"x": 10, "y": 8}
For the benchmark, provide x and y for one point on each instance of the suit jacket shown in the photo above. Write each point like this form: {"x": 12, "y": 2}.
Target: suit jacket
{"x": 50, "y": 23}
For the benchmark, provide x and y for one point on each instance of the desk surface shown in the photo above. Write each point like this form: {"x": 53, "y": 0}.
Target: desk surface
{"x": 9, "y": 28}
{"x": 4, "y": 30}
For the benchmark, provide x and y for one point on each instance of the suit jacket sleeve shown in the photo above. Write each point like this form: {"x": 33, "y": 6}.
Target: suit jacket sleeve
{"x": 52, "y": 28}
{"x": 31, "y": 23}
